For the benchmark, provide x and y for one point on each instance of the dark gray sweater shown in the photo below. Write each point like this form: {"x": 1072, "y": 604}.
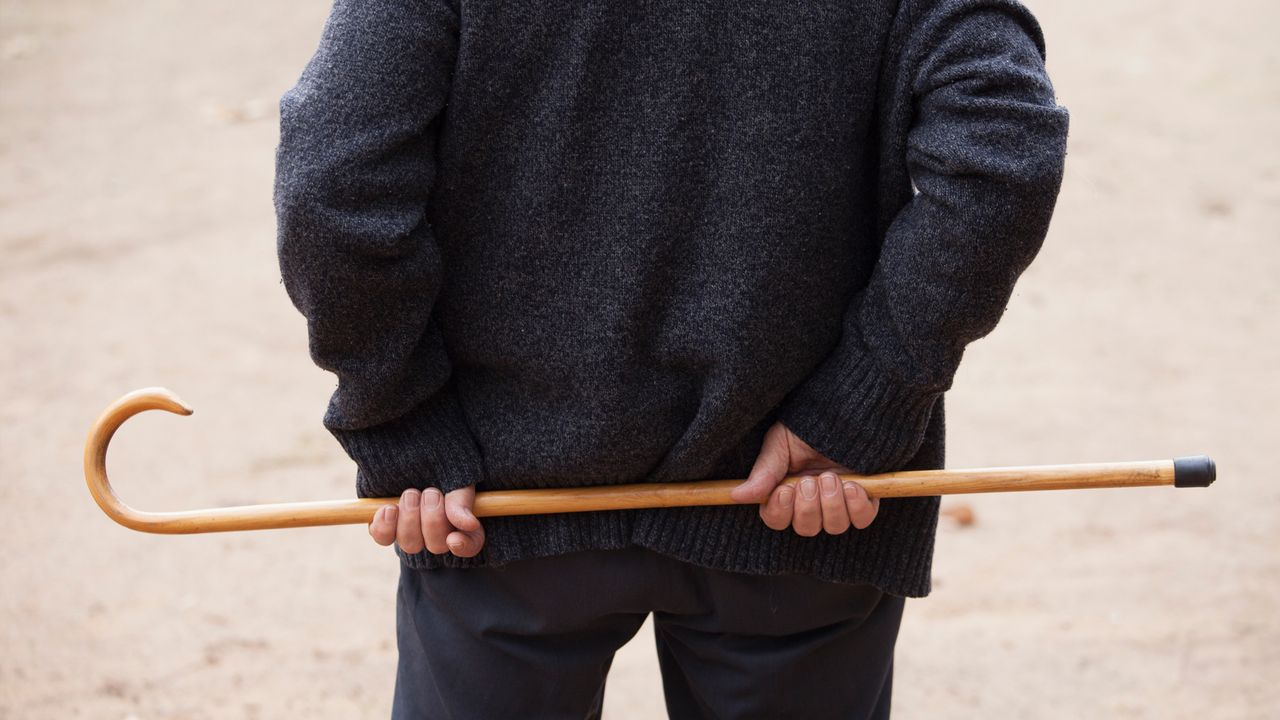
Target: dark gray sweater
{"x": 553, "y": 243}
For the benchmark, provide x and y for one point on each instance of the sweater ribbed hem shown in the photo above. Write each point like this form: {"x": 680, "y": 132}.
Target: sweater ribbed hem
{"x": 895, "y": 554}
{"x": 851, "y": 411}
{"x": 431, "y": 446}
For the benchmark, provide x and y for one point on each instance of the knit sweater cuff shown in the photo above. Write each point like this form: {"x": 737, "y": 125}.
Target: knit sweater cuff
{"x": 856, "y": 414}
{"x": 431, "y": 446}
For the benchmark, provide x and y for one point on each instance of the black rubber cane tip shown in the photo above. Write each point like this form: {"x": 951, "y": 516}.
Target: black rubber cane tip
{"x": 1194, "y": 471}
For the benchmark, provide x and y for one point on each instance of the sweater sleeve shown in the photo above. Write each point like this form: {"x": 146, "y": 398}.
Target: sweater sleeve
{"x": 985, "y": 153}
{"x": 354, "y": 170}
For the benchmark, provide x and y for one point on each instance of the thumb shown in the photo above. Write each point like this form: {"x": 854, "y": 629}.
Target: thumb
{"x": 770, "y": 468}
{"x": 468, "y": 538}
{"x": 458, "y": 508}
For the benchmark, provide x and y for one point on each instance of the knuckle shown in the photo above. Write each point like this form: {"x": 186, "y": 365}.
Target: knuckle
{"x": 774, "y": 522}
{"x": 807, "y": 525}
{"x": 439, "y": 526}
{"x": 835, "y": 527}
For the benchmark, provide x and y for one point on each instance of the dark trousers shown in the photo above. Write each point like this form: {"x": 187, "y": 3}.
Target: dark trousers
{"x": 535, "y": 639}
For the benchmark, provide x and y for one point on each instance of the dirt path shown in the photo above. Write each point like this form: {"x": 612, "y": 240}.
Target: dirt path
{"x": 137, "y": 248}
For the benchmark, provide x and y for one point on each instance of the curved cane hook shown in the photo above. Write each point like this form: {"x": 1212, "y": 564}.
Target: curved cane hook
{"x": 249, "y": 517}
{"x": 95, "y": 451}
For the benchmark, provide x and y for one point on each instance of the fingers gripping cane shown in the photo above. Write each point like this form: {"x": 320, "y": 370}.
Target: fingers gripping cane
{"x": 1198, "y": 471}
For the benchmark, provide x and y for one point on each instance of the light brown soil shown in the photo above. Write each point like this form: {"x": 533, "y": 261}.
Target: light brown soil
{"x": 136, "y": 249}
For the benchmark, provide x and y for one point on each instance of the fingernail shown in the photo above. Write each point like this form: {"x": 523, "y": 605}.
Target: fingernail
{"x": 786, "y": 496}
{"x": 829, "y": 485}
{"x": 808, "y": 488}
{"x": 432, "y": 499}
{"x": 410, "y": 499}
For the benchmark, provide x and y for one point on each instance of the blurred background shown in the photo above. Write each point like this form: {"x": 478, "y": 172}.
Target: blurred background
{"x": 137, "y": 248}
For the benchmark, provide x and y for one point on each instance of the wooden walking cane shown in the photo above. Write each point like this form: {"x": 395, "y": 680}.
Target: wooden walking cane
{"x": 1198, "y": 471}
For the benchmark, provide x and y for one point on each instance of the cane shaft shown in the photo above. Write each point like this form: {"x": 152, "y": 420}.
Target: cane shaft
{"x": 1182, "y": 472}
{"x": 916, "y": 483}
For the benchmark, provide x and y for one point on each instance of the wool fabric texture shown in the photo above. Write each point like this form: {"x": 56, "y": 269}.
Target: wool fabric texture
{"x": 545, "y": 243}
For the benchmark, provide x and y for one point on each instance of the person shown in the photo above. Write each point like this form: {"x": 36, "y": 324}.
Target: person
{"x": 553, "y": 244}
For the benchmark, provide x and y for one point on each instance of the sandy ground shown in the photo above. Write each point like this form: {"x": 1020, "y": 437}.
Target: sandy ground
{"x": 137, "y": 249}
